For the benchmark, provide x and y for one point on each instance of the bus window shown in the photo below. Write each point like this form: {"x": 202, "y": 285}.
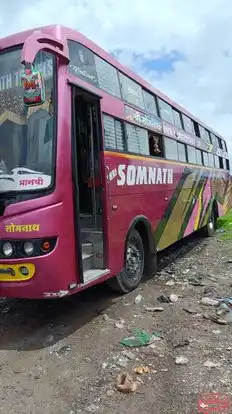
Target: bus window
{"x": 192, "y": 157}
{"x": 155, "y": 145}
{"x": 219, "y": 142}
{"x": 214, "y": 140}
{"x": 216, "y": 161}
{"x": 150, "y": 103}
{"x": 205, "y": 159}
{"x": 196, "y": 129}
{"x": 113, "y": 133}
{"x": 165, "y": 111}
{"x": 224, "y": 146}
{"x": 131, "y": 91}
{"x": 137, "y": 140}
{"x": 199, "y": 157}
{"x": 205, "y": 135}
{"x": 177, "y": 118}
{"x": 221, "y": 166}
{"x": 224, "y": 164}
{"x": 171, "y": 152}
{"x": 188, "y": 124}
{"x": 211, "y": 160}
{"x": 181, "y": 152}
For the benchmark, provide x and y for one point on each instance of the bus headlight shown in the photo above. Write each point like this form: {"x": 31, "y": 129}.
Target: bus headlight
{"x": 28, "y": 248}
{"x": 7, "y": 249}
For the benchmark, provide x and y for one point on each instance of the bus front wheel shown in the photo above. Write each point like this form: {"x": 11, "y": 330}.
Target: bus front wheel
{"x": 130, "y": 277}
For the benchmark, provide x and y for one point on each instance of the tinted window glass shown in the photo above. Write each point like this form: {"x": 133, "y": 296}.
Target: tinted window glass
{"x": 82, "y": 63}
{"x": 131, "y": 91}
{"x": 214, "y": 140}
{"x": 204, "y": 134}
{"x": 224, "y": 146}
{"x": 107, "y": 77}
{"x": 205, "y": 158}
{"x": 113, "y": 133}
{"x": 181, "y": 152}
{"x": 192, "y": 157}
{"x": 177, "y": 118}
{"x": 199, "y": 156}
{"x": 219, "y": 142}
{"x": 228, "y": 165}
{"x": 211, "y": 160}
{"x": 196, "y": 128}
{"x": 150, "y": 103}
{"x": 188, "y": 124}
{"x": 165, "y": 111}
{"x": 137, "y": 140}
{"x": 216, "y": 161}
{"x": 92, "y": 69}
{"x": 171, "y": 151}
{"x": 224, "y": 164}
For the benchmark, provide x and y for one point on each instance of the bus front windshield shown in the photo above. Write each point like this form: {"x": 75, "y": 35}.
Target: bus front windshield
{"x": 26, "y": 133}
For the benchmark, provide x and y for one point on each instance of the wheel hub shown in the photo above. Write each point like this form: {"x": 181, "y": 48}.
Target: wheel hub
{"x": 133, "y": 262}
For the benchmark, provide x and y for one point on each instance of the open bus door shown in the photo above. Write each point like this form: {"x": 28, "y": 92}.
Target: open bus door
{"x": 86, "y": 158}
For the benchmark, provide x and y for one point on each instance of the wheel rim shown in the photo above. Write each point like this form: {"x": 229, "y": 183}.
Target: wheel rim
{"x": 211, "y": 223}
{"x": 134, "y": 262}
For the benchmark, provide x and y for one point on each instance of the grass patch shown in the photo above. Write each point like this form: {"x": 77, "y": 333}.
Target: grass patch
{"x": 224, "y": 225}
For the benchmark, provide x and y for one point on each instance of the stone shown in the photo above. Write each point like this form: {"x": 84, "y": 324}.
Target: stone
{"x": 173, "y": 298}
{"x": 181, "y": 360}
{"x": 138, "y": 299}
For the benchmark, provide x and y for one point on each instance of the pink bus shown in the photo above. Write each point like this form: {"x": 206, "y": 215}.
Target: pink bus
{"x": 99, "y": 171}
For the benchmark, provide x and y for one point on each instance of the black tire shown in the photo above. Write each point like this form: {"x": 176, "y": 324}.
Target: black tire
{"x": 210, "y": 227}
{"x": 130, "y": 277}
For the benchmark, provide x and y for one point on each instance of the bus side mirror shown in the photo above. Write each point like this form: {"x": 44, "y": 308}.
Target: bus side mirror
{"x": 33, "y": 87}
{"x": 32, "y": 80}
{"x": 42, "y": 41}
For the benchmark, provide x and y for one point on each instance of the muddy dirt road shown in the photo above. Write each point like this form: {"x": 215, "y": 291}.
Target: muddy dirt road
{"x": 64, "y": 357}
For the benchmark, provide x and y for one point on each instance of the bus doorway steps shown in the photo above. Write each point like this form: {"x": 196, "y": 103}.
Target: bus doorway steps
{"x": 94, "y": 274}
{"x": 92, "y": 249}
{"x": 90, "y": 272}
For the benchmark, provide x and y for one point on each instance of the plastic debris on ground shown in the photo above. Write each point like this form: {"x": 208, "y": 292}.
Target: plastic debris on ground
{"x": 140, "y": 338}
{"x": 209, "y": 301}
{"x": 223, "y": 312}
{"x": 154, "y": 309}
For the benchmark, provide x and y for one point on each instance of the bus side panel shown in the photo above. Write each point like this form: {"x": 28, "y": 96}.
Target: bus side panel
{"x": 175, "y": 208}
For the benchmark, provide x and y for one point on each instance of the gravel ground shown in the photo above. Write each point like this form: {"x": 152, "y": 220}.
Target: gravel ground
{"x": 64, "y": 356}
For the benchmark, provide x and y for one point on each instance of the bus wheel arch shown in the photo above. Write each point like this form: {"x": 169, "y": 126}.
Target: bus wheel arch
{"x": 139, "y": 251}
{"x": 144, "y": 228}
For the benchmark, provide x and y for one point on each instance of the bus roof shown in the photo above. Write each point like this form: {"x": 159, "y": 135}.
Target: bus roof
{"x": 63, "y": 33}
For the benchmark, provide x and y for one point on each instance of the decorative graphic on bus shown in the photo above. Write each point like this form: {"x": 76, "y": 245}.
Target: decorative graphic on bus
{"x": 140, "y": 175}
{"x": 143, "y": 119}
{"x": 23, "y": 179}
{"x": 33, "y": 87}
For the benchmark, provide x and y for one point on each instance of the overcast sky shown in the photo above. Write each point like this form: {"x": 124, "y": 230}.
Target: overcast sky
{"x": 182, "y": 47}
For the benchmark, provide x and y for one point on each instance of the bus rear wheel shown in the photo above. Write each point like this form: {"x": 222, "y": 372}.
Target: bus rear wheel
{"x": 130, "y": 277}
{"x": 210, "y": 227}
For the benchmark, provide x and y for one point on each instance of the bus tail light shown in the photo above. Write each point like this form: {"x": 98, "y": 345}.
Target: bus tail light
{"x": 46, "y": 246}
